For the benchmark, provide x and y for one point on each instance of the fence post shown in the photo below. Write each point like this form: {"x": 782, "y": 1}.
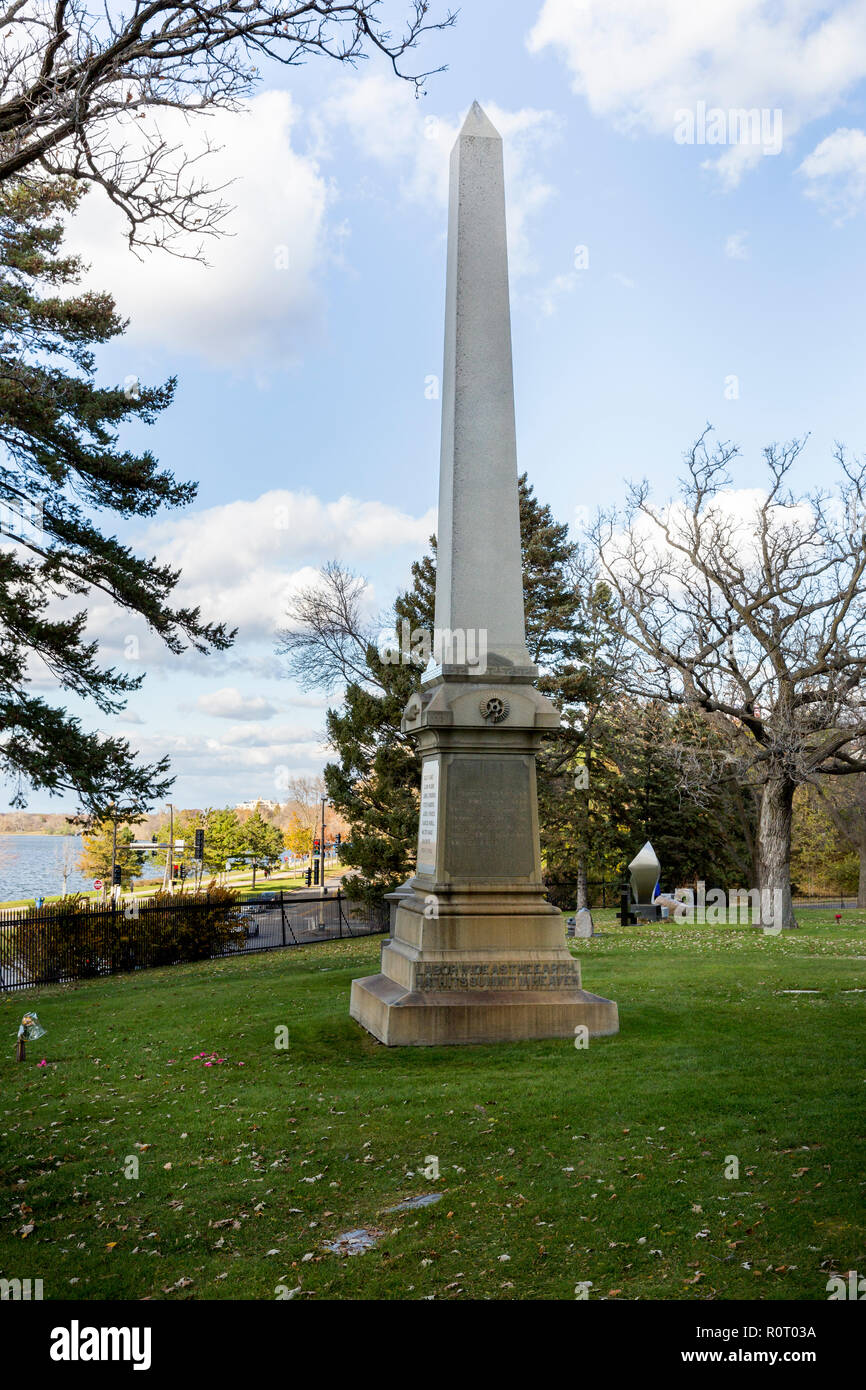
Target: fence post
{"x": 282, "y": 917}
{"x": 625, "y": 905}
{"x": 339, "y": 912}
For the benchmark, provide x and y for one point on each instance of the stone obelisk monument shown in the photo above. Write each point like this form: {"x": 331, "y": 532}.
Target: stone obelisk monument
{"x": 477, "y": 953}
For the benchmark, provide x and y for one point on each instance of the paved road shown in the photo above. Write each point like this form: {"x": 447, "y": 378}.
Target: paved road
{"x": 306, "y": 921}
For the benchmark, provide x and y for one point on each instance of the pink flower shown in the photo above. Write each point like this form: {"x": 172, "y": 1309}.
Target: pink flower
{"x": 208, "y": 1064}
{"x": 43, "y": 1063}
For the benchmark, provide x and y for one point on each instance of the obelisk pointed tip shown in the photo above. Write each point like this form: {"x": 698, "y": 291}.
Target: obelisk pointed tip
{"x": 477, "y": 124}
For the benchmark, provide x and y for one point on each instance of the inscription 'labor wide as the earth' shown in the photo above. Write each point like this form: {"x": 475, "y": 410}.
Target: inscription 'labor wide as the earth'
{"x": 508, "y": 975}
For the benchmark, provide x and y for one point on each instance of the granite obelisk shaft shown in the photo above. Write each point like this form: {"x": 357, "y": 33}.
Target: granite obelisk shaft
{"x": 479, "y": 584}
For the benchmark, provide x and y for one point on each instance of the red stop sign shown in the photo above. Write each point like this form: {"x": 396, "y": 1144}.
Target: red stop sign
{"x": 97, "y": 883}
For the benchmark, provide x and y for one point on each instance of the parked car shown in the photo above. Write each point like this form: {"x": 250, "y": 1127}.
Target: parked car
{"x": 250, "y": 912}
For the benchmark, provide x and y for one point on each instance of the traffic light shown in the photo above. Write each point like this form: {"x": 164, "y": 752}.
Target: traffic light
{"x": 315, "y": 871}
{"x": 309, "y": 875}
{"x": 199, "y": 844}
{"x": 115, "y": 876}
{"x": 316, "y": 846}
{"x": 338, "y": 840}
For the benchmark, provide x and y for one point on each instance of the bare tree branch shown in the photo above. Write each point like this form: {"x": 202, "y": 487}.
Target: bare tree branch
{"x": 328, "y": 635}
{"x": 77, "y": 81}
{"x": 755, "y": 618}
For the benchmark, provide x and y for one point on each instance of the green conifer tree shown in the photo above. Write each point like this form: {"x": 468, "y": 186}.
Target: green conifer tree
{"x": 60, "y": 465}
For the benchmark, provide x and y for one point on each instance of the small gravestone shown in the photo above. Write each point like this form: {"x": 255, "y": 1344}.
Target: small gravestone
{"x": 583, "y": 926}
{"x": 356, "y": 1242}
{"x": 427, "y": 1199}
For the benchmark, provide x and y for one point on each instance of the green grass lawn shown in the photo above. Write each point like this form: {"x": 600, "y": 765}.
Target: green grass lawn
{"x": 557, "y": 1165}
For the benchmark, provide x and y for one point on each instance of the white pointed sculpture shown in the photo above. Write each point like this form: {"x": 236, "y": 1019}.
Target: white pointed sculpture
{"x": 644, "y": 872}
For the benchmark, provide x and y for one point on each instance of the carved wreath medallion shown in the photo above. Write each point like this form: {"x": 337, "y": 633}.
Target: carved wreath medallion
{"x": 494, "y": 708}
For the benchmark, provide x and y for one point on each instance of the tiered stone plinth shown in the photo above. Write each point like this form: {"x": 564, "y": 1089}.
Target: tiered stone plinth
{"x": 477, "y": 953}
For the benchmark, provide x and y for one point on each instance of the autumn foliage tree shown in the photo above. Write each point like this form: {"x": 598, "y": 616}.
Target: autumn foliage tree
{"x": 98, "y": 853}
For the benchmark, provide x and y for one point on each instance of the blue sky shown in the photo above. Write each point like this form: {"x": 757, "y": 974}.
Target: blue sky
{"x": 304, "y": 351}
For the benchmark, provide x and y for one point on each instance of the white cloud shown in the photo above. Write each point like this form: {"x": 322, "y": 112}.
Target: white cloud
{"x": 257, "y": 304}
{"x": 246, "y": 762}
{"x": 229, "y": 703}
{"x": 243, "y": 307}
{"x": 638, "y": 63}
{"x": 391, "y": 128}
{"x": 736, "y": 248}
{"x": 835, "y": 172}
{"x": 735, "y": 509}
{"x": 548, "y": 297}
{"x": 241, "y": 561}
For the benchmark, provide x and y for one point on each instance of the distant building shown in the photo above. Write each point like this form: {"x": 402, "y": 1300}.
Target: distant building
{"x": 265, "y": 805}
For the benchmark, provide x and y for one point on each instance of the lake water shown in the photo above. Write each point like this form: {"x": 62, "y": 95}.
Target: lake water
{"x": 31, "y": 865}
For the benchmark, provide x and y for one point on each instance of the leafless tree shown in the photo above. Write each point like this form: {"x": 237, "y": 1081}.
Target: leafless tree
{"x": 328, "y": 633}
{"x": 757, "y": 618}
{"x": 79, "y": 83}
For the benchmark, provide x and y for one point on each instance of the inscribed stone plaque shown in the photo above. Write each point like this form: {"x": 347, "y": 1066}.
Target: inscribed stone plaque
{"x": 488, "y": 818}
{"x": 429, "y": 817}
{"x": 544, "y": 975}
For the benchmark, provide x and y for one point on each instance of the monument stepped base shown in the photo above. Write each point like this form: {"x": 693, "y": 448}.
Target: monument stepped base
{"x": 401, "y": 1018}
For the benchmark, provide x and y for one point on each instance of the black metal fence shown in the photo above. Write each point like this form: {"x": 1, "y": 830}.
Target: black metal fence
{"x": 562, "y": 892}
{"x": 52, "y": 945}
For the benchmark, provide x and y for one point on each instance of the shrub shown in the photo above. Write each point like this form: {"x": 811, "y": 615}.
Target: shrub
{"x": 191, "y": 926}
{"x": 75, "y": 939}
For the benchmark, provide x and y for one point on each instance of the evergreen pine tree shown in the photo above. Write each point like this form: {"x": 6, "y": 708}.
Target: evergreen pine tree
{"x": 376, "y": 784}
{"x": 61, "y": 464}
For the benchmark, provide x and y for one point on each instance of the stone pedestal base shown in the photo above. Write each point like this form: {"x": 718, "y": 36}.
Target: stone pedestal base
{"x": 488, "y": 967}
{"x": 476, "y": 953}
{"x": 400, "y": 1018}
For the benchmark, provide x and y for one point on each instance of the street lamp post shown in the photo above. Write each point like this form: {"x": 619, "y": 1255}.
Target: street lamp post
{"x": 113, "y": 847}
{"x": 322, "y": 846}
{"x": 168, "y": 874}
